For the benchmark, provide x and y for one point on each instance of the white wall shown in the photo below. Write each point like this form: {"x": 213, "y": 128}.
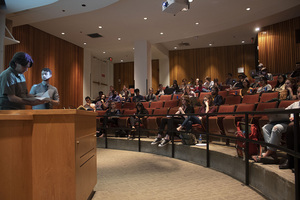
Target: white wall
{"x": 164, "y": 71}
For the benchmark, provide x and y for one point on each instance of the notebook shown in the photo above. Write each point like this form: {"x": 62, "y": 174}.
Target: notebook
{"x": 278, "y": 117}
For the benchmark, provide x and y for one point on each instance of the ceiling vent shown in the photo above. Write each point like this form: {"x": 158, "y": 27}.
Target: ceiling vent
{"x": 184, "y": 44}
{"x": 94, "y": 35}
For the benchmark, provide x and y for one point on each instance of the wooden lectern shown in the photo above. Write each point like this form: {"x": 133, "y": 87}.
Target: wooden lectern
{"x": 47, "y": 154}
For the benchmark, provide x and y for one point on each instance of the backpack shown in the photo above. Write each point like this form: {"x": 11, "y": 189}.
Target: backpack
{"x": 188, "y": 138}
{"x": 253, "y": 135}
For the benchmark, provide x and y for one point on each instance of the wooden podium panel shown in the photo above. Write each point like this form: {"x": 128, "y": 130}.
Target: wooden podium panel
{"x": 63, "y": 145}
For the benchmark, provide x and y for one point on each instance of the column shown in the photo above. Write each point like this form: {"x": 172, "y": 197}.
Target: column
{"x": 142, "y": 66}
{"x": 2, "y": 34}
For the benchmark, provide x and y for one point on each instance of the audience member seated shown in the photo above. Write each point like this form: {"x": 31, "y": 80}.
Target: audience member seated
{"x": 272, "y": 133}
{"x": 216, "y": 83}
{"x": 186, "y": 108}
{"x": 115, "y": 97}
{"x": 198, "y": 86}
{"x": 206, "y": 108}
{"x": 229, "y": 81}
{"x": 296, "y": 73}
{"x": 123, "y": 91}
{"x": 289, "y": 163}
{"x": 265, "y": 87}
{"x": 98, "y": 97}
{"x": 113, "y": 115}
{"x": 217, "y": 99}
{"x": 191, "y": 83}
{"x": 160, "y": 90}
{"x": 246, "y": 88}
{"x": 137, "y": 97}
{"x": 291, "y": 87}
{"x": 256, "y": 84}
{"x": 183, "y": 84}
{"x": 150, "y": 96}
{"x": 239, "y": 83}
{"x": 102, "y": 104}
{"x": 189, "y": 92}
{"x": 88, "y": 105}
{"x": 280, "y": 87}
{"x": 111, "y": 89}
{"x": 208, "y": 84}
{"x": 126, "y": 98}
{"x": 137, "y": 118}
{"x": 175, "y": 87}
{"x": 265, "y": 73}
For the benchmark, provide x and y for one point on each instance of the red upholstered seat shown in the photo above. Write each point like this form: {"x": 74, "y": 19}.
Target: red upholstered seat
{"x": 268, "y": 96}
{"x": 231, "y": 100}
{"x": 165, "y": 97}
{"x": 156, "y": 104}
{"x": 254, "y": 98}
{"x": 171, "y": 103}
{"x": 129, "y": 105}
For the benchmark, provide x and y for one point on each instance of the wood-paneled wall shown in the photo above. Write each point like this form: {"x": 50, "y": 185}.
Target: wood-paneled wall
{"x": 215, "y": 62}
{"x": 277, "y": 46}
{"x": 124, "y": 75}
{"x": 63, "y": 58}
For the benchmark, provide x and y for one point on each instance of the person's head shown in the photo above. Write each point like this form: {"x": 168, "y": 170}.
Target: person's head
{"x": 281, "y": 79}
{"x": 216, "y": 80}
{"x": 114, "y": 93}
{"x": 264, "y": 70}
{"x": 197, "y": 81}
{"x": 88, "y": 99}
{"x": 246, "y": 83}
{"x": 111, "y": 88}
{"x": 112, "y": 105}
{"x": 140, "y": 106}
{"x": 184, "y": 81}
{"x": 185, "y": 100}
{"x": 187, "y": 89}
{"x": 241, "y": 76}
{"x": 103, "y": 97}
{"x": 207, "y": 79}
{"x": 100, "y": 93}
{"x": 263, "y": 81}
{"x": 290, "y": 83}
{"x": 124, "y": 87}
{"x": 214, "y": 90}
{"x": 151, "y": 90}
{"x": 46, "y": 74}
{"x": 137, "y": 91}
{"x": 21, "y": 61}
{"x": 208, "y": 98}
{"x": 160, "y": 86}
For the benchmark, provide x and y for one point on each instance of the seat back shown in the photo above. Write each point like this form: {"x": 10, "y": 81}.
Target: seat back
{"x": 129, "y": 105}
{"x": 230, "y": 100}
{"x": 268, "y": 96}
{"x": 286, "y": 103}
{"x": 272, "y": 83}
{"x": 150, "y": 110}
{"x": 156, "y": 104}
{"x": 262, "y": 106}
{"x": 171, "y": 103}
{"x": 225, "y": 108}
{"x": 165, "y": 97}
{"x": 173, "y": 110}
{"x": 234, "y": 92}
{"x": 161, "y": 111}
{"x": 176, "y": 96}
{"x": 244, "y": 108}
{"x": 146, "y": 104}
{"x": 223, "y": 94}
{"x": 254, "y": 98}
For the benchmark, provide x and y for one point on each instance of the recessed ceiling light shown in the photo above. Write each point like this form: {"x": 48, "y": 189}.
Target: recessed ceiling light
{"x": 161, "y": 33}
{"x": 191, "y": 1}
{"x": 197, "y": 23}
{"x": 62, "y": 33}
{"x": 119, "y": 38}
{"x": 133, "y": 48}
{"x": 121, "y": 60}
{"x": 145, "y": 18}
{"x": 99, "y": 26}
{"x": 104, "y": 52}
{"x": 257, "y": 29}
{"x": 210, "y": 44}
{"x": 175, "y": 47}
{"x": 84, "y": 43}
{"x": 248, "y": 9}
{"x": 243, "y": 41}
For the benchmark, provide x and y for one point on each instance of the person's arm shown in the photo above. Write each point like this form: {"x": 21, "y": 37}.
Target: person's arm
{"x": 18, "y": 100}
{"x": 55, "y": 100}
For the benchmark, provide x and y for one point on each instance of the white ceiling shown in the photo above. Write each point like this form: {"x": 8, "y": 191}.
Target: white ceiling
{"x": 221, "y": 23}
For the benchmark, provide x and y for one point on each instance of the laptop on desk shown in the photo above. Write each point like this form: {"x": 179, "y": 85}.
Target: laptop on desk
{"x": 278, "y": 117}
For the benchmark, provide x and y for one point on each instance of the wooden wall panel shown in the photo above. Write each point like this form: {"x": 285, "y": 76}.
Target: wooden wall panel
{"x": 63, "y": 58}
{"x": 215, "y": 62}
{"x": 277, "y": 46}
{"x": 124, "y": 74}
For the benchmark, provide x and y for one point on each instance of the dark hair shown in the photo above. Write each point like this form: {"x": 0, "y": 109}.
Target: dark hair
{"x": 248, "y": 83}
{"x": 208, "y": 78}
{"x": 136, "y": 90}
{"x": 47, "y": 70}
{"x": 186, "y": 98}
{"x": 21, "y": 58}
{"x": 141, "y": 105}
{"x": 100, "y": 92}
{"x": 87, "y": 97}
{"x": 278, "y": 85}
{"x": 209, "y": 97}
{"x": 263, "y": 79}
{"x": 294, "y": 85}
{"x": 216, "y": 88}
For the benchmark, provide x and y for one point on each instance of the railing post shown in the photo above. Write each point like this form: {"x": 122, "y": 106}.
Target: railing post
{"x": 207, "y": 142}
{"x": 139, "y": 131}
{"x": 172, "y": 136}
{"x": 246, "y": 151}
{"x": 105, "y": 130}
{"x": 296, "y": 160}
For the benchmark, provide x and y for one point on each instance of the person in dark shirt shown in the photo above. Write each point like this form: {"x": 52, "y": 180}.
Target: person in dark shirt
{"x": 217, "y": 99}
{"x": 137, "y": 96}
{"x": 137, "y": 118}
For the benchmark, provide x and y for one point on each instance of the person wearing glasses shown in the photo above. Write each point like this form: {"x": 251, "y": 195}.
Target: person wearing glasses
{"x": 13, "y": 90}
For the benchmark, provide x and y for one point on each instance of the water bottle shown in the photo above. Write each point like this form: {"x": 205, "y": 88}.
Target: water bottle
{"x": 265, "y": 89}
{"x": 236, "y": 93}
{"x": 200, "y": 139}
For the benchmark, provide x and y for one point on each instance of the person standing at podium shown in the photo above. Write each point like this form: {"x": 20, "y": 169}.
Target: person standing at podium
{"x": 13, "y": 90}
{"x": 44, "y": 89}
